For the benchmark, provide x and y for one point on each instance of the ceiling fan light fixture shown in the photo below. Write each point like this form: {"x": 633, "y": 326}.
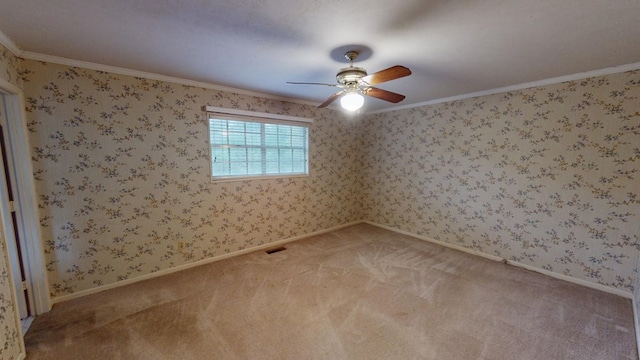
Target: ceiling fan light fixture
{"x": 355, "y": 82}
{"x": 352, "y": 101}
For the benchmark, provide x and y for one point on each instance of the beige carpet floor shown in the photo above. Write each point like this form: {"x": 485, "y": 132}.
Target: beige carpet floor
{"x": 357, "y": 293}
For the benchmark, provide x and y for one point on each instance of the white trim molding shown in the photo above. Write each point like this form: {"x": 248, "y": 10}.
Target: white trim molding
{"x": 9, "y": 44}
{"x": 636, "y": 326}
{"x": 635, "y": 303}
{"x": 152, "y": 76}
{"x": 270, "y": 245}
{"x": 30, "y": 224}
{"x": 588, "y": 284}
{"x": 527, "y": 85}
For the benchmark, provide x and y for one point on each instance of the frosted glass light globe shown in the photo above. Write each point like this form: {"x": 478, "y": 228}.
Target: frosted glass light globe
{"x": 352, "y": 101}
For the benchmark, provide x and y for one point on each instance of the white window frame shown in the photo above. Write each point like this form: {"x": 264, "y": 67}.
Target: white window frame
{"x": 251, "y": 116}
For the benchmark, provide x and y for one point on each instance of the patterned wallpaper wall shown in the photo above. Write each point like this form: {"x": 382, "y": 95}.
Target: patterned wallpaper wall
{"x": 10, "y": 68}
{"x": 121, "y": 167}
{"x": 548, "y": 176}
{"x": 9, "y": 330}
{"x": 545, "y": 176}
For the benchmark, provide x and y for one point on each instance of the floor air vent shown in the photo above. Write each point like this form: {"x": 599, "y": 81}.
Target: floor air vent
{"x": 275, "y": 250}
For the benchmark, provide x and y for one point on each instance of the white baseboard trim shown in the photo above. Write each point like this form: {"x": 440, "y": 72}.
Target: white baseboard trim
{"x": 591, "y": 285}
{"x": 26, "y": 324}
{"x": 437, "y": 242}
{"x": 570, "y": 279}
{"x": 98, "y": 289}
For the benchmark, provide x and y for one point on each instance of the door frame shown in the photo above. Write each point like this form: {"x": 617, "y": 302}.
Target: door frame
{"x": 24, "y": 293}
{"x": 28, "y": 224}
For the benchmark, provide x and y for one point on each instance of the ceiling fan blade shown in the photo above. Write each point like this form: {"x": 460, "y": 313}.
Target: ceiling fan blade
{"x": 383, "y": 95}
{"x": 392, "y": 73}
{"x": 331, "y": 99}
{"x": 310, "y": 83}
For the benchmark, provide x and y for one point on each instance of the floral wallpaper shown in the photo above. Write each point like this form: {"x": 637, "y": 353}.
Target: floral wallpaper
{"x": 10, "y": 336}
{"x": 122, "y": 174}
{"x": 10, "y": 68}
{"x": 547, "y": 176}
{"x": 543, "y": 176}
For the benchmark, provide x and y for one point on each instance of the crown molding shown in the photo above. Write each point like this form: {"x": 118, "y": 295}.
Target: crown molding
{"x": 527, "y": 85}
{"x": 152, "y": 76}
{"x": 9, "y": 44}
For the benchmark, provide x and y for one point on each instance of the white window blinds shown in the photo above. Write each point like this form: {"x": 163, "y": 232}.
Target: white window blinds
{"x": 243, "y": 146}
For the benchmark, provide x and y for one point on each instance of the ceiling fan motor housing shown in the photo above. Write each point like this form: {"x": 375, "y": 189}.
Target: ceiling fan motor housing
{"x": 350, "y": 75}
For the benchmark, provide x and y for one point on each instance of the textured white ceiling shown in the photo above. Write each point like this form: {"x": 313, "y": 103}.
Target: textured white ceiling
{"x": 452, "y": 47}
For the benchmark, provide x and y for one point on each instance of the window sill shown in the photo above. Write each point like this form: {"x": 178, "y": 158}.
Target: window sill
{"x": 256, "y": 177}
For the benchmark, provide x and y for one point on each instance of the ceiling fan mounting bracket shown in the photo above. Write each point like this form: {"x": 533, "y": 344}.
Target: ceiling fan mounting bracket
{"x": 351, "y": 55}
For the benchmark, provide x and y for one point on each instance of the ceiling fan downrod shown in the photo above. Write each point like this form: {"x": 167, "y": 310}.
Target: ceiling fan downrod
{"x": 351, "y": 56}
{"x": 349, "y": 76}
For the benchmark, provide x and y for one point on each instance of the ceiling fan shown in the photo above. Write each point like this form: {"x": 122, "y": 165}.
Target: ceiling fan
{"x": 354, "y": 81}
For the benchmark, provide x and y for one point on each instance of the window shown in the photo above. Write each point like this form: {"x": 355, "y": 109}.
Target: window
{"x": 245, "y": 146}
